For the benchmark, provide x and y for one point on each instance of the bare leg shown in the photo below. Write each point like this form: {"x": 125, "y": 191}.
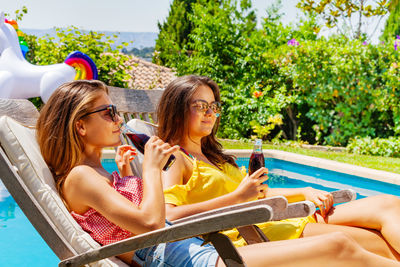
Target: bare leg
{"x": 334, "y": 249}
{"x": 371, "y": 240}
{"x": 381, "y": 213}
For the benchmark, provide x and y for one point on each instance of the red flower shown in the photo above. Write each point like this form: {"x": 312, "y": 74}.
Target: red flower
{"x": 257, "y": 94}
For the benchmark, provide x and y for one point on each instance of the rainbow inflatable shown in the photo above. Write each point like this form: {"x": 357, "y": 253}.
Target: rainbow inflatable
{"x": 20, "y": 34}
{"x": 21, "y": 79}
{"x": 83, "y": 64}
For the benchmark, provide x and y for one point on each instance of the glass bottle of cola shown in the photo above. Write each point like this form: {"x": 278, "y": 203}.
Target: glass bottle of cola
{"x": 139, "y": 140}
{"x": 257, "y": 157}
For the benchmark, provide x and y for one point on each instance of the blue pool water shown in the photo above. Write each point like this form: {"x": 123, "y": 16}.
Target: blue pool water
{"x": 21, "y": 245}
{"x": 291, "y": 175}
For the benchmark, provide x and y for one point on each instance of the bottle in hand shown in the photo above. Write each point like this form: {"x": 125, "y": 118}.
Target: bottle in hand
{"x": 139, "y": 140}
{"x": 257, "y": 157}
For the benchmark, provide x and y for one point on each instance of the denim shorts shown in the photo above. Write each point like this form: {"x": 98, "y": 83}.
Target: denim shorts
{"x": 184, "y": 253}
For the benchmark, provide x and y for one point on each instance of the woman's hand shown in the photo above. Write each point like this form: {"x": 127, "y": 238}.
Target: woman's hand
{"x": 125, "y": 154}
{"x": 322, "y": 199}
{"x": 157, "y": 152}
{"x": 252, "y": 186}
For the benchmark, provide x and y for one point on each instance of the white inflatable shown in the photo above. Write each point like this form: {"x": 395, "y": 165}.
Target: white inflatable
{"x": 19, "y": 78}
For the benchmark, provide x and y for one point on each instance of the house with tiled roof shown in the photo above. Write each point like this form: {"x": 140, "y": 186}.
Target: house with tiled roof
{"x": 147, "y": 75}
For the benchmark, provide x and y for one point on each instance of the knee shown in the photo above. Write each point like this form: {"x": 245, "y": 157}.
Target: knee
{"x": 388, "y": 202}
{"x": 342, "y": 245}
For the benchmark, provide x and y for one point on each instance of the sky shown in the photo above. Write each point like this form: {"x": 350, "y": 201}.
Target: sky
{"x": 107, "y": 15}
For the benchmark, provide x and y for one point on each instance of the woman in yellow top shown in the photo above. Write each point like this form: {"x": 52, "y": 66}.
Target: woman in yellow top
{"x": 204, "y": 178}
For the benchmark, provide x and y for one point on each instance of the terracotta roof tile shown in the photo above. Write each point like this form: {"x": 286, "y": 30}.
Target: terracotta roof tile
{"x": 147, "y": 75}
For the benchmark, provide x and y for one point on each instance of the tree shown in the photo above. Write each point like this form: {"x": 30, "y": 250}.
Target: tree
{"x": 19, "y": 13}
{"x": 392, "y": 27}
{"x": 342, "y": 13}
{"x": 173, "y": 33}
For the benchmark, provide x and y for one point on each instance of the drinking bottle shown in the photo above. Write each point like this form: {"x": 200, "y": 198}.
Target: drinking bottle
{"x": 139, "y": 140}
{"x": 257, "y": 157}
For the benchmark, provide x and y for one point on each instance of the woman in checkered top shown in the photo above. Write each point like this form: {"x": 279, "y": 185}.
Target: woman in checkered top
{"x": 78, "y": 121}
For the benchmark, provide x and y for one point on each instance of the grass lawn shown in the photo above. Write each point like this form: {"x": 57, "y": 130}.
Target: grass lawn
{"x": 374, "y": 162}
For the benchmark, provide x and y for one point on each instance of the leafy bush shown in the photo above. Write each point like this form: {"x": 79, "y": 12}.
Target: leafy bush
{"x": 350, "y": 88}
{"x": 389, "y": 147}
{"x": 326, "y": 90}
{"x": 111, "y": 64}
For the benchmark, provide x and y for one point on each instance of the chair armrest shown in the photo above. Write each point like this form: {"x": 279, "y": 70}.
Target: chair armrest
{"x": 208, "y": 224}
{"x": 295, "y": 210}
{"x": 344, "y": 195}
{"x": 307, "y": 208}
{"x": 277, "y": 204}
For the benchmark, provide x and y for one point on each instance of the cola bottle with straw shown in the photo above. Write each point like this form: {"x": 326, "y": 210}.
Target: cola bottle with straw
{"x": 139, "y": 141}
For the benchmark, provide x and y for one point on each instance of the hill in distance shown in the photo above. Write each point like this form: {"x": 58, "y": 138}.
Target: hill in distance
{"x": 138, "y": 40}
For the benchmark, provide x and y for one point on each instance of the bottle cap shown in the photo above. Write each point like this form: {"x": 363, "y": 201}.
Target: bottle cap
{"x": 258, "y": 142}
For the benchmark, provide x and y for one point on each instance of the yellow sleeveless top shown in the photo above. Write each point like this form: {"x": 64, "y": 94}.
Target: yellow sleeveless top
{"x": 208, "y": 182}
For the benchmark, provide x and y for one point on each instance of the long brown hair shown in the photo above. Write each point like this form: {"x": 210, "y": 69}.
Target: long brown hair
{"x": 173, "y": 115}
{"x": 59, "y": 142}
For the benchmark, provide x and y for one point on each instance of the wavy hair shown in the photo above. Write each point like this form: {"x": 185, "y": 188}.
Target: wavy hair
{"x": 59, "y": 141}
{"x": 173, "y": 116}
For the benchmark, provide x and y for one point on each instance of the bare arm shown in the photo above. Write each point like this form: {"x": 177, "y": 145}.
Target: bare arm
{"x": 292, "y": 194}
{"x": 249, "y": 189}
{"x": 322, "y": 199}
{"x": 81, "y": 195}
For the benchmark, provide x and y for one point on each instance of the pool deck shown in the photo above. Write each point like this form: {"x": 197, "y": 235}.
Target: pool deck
{"x": 383, "y": 176}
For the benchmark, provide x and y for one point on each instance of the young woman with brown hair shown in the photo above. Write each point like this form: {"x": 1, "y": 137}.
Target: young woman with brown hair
{"x": 78, "y": 121}
{"x": 205, "y": 178}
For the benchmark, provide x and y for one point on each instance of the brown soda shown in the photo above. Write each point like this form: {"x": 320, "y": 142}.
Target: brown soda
{"x": 257, "y": 157}
{"x": 139, "y": 140}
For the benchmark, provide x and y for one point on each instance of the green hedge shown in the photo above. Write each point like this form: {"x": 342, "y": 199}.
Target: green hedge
{"x": 350, "y": 89}
{"x": 389, "y": 147}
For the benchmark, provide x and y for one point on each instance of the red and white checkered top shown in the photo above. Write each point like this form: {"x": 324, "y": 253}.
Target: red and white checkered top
{"x": 101, "y": 229}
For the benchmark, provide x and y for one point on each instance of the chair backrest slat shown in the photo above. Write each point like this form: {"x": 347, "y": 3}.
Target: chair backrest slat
{"x": 138, "y": 103}
{"x": 20, "y": 110}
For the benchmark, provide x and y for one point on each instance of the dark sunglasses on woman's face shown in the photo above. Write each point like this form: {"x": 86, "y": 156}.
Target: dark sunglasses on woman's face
{"x": 111, "y": 112}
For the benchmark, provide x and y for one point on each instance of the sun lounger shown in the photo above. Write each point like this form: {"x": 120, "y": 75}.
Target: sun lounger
{"x": 29, "y": 181}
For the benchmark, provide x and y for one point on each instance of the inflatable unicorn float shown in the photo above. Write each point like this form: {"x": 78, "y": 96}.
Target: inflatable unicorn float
{"x": 21, "y": 79}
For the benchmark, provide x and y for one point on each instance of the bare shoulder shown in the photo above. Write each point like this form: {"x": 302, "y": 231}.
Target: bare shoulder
{"x": 175, "y": 174}
{"x": 83, "y": 174}
{"x": 79, "y": 188}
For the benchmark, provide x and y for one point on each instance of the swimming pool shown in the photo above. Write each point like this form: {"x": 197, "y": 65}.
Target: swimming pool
{"x": 21, "y": 245}
{"x": 291, "y": 175}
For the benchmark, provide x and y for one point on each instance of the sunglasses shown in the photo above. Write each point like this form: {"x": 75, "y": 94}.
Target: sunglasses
{"x": 203, "y": 106}
{"x": 111, "y": 112}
